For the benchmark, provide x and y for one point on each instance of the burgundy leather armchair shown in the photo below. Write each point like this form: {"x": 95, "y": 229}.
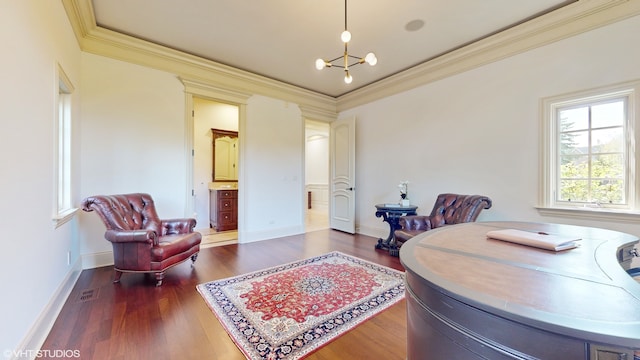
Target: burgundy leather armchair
{"x": 142, "y": 243}
{"x": 449, "y": 209}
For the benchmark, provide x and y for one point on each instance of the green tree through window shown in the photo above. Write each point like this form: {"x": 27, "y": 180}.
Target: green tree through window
{"x": 592, "y": 152}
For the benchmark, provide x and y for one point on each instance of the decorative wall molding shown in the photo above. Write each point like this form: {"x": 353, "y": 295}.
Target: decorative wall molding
{"x": 219, "y": 94}
{"x": 573, "y": 19}
{"x": 318, "y": 114}
{"x": 319, "y": 196}
{"x": 100, "y": 41}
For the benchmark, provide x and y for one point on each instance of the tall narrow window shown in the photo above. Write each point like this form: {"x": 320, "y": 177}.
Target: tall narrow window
{"x": 589, "y": 150}
{"x": 63, "y": 200}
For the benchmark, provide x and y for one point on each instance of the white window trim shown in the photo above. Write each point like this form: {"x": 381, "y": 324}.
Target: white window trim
{"x": 65, "y": 214}
{"x": 546, "y": 203}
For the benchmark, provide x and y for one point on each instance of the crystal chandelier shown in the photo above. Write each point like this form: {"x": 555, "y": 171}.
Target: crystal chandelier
{"x": 343, "y": 61}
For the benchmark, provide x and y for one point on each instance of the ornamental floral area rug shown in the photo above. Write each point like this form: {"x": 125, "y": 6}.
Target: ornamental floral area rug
{"x": 288, "y": 311}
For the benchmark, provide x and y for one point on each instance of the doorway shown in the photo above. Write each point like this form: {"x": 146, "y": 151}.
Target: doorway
{"x": 316, "y": 175}
{"x": 208, "y": 115}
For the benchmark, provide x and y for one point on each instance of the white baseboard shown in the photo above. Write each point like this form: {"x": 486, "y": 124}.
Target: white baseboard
{"x": 252, "y": 236}
{"x": 38, "y": 333}
{"x": 90, "y": 261}
{"x": 218, "y": 243}
{"x": 105, "y": 258}
{"x": 377, "y": 232}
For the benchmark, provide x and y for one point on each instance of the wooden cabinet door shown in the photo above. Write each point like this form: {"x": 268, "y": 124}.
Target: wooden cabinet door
{"x": 227, "y": 210}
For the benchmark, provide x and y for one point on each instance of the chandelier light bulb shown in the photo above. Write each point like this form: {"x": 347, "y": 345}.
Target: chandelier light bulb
{"x": 371, "y": 59}
{"x": 347, "y": 77}
{"x": 346, "y": 61}
{"x": 345, "y": 36}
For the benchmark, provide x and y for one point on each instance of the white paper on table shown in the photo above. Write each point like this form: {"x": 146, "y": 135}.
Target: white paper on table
{"x": 535, "y": 239}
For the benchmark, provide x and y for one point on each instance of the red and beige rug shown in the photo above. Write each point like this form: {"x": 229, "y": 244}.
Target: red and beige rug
{"x": 289, "y": 311}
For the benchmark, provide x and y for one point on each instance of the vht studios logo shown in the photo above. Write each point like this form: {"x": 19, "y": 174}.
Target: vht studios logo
{"x": 52, "y": 354}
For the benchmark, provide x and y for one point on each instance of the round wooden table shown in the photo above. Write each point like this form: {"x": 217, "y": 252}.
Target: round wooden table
{"x": 473, "y": 297}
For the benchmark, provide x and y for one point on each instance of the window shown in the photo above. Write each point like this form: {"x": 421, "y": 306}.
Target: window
{"x": 63, "y": 209}
{"x": 589, "y": 160}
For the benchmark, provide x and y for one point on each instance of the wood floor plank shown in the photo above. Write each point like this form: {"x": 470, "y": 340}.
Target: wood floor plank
{"x": 136, "y": 320}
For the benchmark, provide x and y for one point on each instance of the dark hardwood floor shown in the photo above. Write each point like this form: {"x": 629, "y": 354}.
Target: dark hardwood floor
{"x": 136, "y": 320}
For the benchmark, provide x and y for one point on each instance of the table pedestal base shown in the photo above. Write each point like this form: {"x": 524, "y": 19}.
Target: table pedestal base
{"x": 391, "y": 215}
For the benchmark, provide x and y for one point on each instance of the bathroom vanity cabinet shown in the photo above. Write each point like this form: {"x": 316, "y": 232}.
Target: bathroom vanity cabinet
{"x": 223, "y": 212}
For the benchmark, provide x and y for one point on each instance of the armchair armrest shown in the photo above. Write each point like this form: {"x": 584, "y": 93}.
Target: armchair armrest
{"x": 415, "y": 222}
{"x": 177, "y": 226}
{"x": 122, "y": 236}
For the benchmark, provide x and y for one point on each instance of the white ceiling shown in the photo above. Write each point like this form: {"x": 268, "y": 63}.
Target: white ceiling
{"x": 281, "y": 39}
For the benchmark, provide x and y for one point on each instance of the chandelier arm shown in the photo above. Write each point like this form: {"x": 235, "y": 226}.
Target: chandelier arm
{"x": 338, "y": 58}
{"x": 359, "y": 61}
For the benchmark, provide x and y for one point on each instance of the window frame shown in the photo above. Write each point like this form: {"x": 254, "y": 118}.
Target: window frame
{"x": 63, "y": 209}
{"x": 550, "y": 144}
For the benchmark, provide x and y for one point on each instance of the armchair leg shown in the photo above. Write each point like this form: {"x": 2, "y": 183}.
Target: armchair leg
{"x": 159, "y": 278}
{"x": 117, "y": 276}
{"x": 194, "y": 257}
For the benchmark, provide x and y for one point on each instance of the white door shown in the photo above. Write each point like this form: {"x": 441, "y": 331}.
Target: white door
{"x": 342, "y": 208}
{"x": 201, "y": 157}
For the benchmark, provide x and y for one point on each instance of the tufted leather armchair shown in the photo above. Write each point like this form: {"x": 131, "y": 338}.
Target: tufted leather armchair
{"x": 142, "y": 243}
{"x": 449, "y": 209}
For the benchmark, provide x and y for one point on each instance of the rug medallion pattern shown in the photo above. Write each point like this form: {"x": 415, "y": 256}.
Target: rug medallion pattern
{"x": 288, "y": 311}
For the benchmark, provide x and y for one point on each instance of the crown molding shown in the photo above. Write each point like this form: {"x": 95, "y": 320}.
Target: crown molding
{"x": 317, "y": 126}
{"x": 100, "y": 41}
{"x": 567, "y": 21}
{"x": 126, "y": 48}
{"x": 219, "y": 94}
{"x": 81, "y": 16}
{"x": 573, "y": 19}
{"x": 323, "y": 115}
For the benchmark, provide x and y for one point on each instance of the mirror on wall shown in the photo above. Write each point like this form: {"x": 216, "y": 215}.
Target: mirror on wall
{"x": 225, "y": 155}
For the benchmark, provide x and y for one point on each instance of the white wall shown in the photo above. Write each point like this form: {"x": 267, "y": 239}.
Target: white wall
{"x": 34, "y": 271}
{"x": 478, "y": 132}
{"x": 133, "y": 140}
{"x": 272, "y": 176}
